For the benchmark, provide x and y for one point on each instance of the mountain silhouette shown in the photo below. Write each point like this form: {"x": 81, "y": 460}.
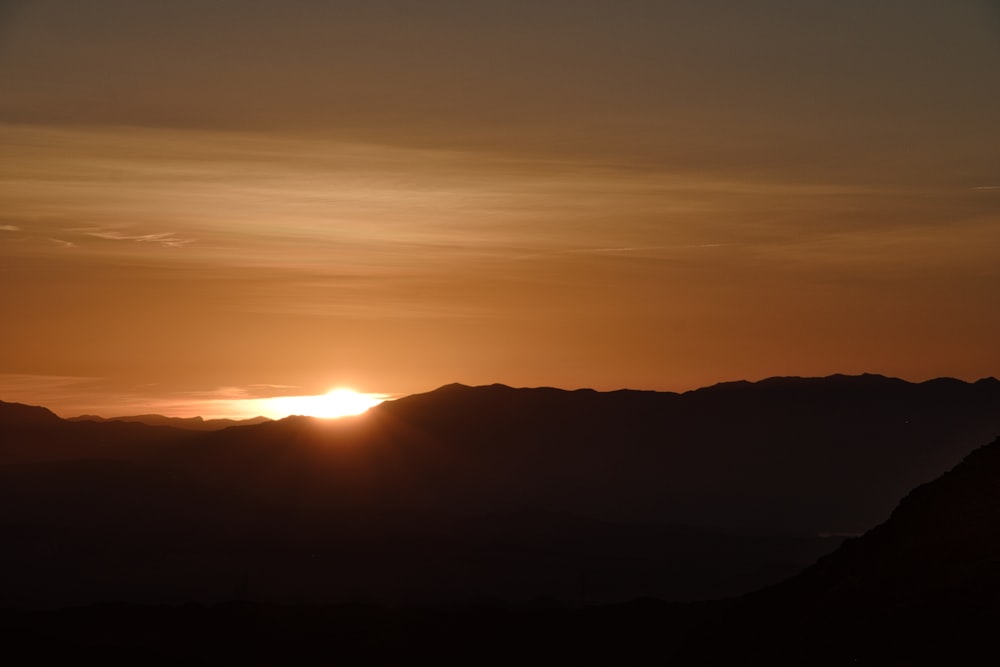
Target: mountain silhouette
{"x": 941, "y": 543}
{"x": 19, "y": 414}
{"x": 921, "y": 588}
{"x": 191, "y": 423}
{"x": 488, "y": 491}
{"x": 87, "y": 531}
{"x": 782, "y": 456}
{"x": 30, "y": 434}
{"x": 417, "y": 503}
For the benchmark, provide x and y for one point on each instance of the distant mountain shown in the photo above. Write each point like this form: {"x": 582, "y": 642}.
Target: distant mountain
{"x": 18, "y": 414}
{"x": 34, "y": 434}
{"x": 191, "y": 423}
{"x": 784, "y": 454}
{"x": 781, "y": 456}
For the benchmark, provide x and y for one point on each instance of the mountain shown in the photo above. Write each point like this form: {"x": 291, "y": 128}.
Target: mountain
{"x": 284, "y": 515}
{"x": 34, "y": 434}
{"x": 19, "y": 414}
{"x": 478, "y": 491}
{"x": 921, "y": 588}
{"x": 941, "y": 543}
{"x": 192, "y": 423}
{"x": 781, "y": 456}
{"x": 88, "y": 531}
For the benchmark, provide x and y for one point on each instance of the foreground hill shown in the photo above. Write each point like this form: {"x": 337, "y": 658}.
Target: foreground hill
{"x": 921, "y": 588}
{"x": 80, "y": 532}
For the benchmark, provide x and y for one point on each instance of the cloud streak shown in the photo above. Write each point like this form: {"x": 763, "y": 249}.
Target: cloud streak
{"x": 165, "y": 239}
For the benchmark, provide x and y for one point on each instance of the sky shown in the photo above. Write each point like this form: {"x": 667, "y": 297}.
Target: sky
{"x": 207, "y": 202}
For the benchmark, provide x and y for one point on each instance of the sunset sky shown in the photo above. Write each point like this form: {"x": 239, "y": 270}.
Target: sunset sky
{"x": 208, "y": 201}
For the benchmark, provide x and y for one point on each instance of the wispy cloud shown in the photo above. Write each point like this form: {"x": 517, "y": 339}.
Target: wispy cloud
{"x": 63, "y": 244}
{"x": 15, "y": 382}
{"x": 9, "y": 228}
{"x": 166, "y": 239}
{"x": 69, "y": 396}
{"x": 52, "y": 391}
{"x": 632, "y": 249}
{"x": 622, "y": 250}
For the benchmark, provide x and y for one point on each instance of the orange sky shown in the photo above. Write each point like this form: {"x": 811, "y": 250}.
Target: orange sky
{"x": 214, "y": 201}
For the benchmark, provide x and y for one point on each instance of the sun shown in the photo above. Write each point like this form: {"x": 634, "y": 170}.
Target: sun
{"x": 335, "y": 403}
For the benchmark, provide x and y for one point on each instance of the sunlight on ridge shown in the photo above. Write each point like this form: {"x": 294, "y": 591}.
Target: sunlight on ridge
{"x": 339, "y": 402}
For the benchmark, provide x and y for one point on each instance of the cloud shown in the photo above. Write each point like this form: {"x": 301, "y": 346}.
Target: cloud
{"x": 15, "y": 382}
{"x": 9, "y": 228}
{"x": 166, "y": 239}
{"x": 649, "y": 250}
{"x": 63, "y": 244}
{"x": 51, "y": 391}
{"x": 633, "y": 249}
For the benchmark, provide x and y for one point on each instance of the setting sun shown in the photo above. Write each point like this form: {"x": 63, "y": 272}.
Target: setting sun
{"x": 335, "y": 403}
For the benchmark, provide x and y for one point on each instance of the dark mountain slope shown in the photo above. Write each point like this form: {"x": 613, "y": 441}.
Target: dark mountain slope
{"x": 940, "y": 545}
{"x": 89, "y": 531}
{"x": 921, "y": 588}
{"x": 784, "y": 455}
{"x": 34, "y": 434}
{"x": 778, "y": 457}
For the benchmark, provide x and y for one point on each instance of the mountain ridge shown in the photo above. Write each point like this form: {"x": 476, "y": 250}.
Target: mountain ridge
{"x": 779, "y": 456}
{"x": 190, "y": 423}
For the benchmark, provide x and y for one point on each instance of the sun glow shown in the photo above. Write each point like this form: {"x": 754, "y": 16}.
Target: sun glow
{"x": 335, "y": 403}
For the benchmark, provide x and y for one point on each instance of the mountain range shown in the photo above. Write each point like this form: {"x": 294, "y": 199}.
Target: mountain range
{"x": 192, "y": 423}
{"x": 146, "y": 524}
{"x": 475, "y": 493}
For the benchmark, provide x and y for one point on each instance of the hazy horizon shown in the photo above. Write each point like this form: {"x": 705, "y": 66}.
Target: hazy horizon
{"x": 238, "y": 407}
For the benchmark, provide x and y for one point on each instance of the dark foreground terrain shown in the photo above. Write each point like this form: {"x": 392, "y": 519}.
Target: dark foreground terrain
{"x": 922, "y": 588}
{"x": 493, "y": 525}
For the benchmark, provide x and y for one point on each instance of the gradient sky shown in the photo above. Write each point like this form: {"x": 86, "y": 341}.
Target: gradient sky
{"x": 204, "y": 201}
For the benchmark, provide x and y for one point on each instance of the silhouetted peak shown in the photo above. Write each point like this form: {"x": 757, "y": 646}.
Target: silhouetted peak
{"x": 453, "y": 386}
{"x": 944, "y": 382}
{"x": 458, "y": 389}
{"x": 870, "y": 381}
{"x": 297, "y": 420}
{"x": 724, "y": 386}
{"x": 835, "y": 380}
{"x": 19, "y": 413}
